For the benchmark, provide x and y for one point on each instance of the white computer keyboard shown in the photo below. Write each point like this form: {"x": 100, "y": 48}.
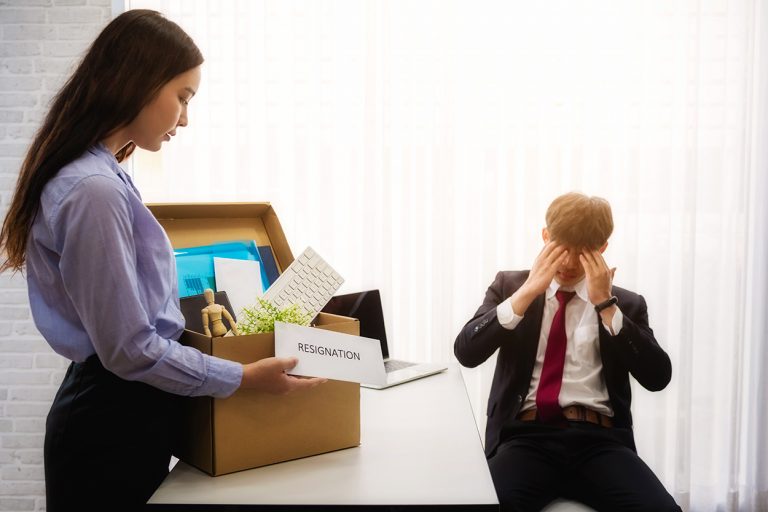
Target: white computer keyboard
{"x": 309, "y": 282}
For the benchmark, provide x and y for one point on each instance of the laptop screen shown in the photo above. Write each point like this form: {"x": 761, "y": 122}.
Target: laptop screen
{"x": 366, "y": 307}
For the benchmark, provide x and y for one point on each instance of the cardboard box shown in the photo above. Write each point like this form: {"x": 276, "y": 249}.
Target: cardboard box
{"x": 251, "y": 428}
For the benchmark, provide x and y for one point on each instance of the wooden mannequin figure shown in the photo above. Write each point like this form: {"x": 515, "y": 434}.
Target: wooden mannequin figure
{"x": 214, "y": 312}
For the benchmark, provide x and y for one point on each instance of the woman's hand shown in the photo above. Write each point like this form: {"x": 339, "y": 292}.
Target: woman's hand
{"x": 270, "y": 375}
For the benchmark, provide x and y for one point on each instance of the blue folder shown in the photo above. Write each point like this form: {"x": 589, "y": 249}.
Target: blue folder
{"x": 195, "y": 269}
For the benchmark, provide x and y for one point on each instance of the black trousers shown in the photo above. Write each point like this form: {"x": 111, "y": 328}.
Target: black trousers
{"x": 107, "y": 441}
{"x": 535, "y": 464}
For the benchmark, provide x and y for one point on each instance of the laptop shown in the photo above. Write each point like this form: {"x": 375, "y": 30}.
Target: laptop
{"x": 366, "y": 307}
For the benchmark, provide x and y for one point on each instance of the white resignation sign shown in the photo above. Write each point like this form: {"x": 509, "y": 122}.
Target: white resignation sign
{"x": 329, "y": 354}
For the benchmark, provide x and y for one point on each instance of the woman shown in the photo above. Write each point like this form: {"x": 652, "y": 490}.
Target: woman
{"x": 101, "y": 273}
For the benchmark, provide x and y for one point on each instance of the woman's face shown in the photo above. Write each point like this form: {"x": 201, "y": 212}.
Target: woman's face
{"x": 158, "y": 120}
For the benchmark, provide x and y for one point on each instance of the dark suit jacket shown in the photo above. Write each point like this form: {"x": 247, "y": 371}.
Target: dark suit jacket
{"x": 634, "y": 350}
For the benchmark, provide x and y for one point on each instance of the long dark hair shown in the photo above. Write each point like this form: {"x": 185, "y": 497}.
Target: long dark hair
{"x": 125, "y": 67}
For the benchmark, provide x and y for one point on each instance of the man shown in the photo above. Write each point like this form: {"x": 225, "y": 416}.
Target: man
{"x": 559, "y": 420}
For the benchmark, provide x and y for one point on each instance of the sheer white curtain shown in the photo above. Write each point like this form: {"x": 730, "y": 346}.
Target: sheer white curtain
{"x": 416, "y": 146}
{"x": 750, "y": 475}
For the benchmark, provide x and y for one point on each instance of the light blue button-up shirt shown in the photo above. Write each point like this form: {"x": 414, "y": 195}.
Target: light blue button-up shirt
{"x": 102, "y": 279}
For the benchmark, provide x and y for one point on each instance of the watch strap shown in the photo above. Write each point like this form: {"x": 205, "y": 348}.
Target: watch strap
{"x": 606, "y": 304}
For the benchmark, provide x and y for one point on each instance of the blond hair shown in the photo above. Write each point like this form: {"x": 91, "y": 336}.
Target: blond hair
{"x": 578, "y": 220}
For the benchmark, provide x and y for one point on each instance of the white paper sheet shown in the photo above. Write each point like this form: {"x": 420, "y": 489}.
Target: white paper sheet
{"x": 330, "y": 354}
{"x": 241, "y": 279}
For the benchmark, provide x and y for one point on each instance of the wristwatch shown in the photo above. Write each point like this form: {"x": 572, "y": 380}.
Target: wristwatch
{"x": 608, "y": 303}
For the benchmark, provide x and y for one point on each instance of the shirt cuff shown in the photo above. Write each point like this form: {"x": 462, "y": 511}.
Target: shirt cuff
{"x": 506, "y": 315}
{"x": 617, "y": 323}
{"x": 223, "y": 378}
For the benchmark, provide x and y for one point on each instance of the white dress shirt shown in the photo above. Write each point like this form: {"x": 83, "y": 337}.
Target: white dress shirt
{"x": 583, "y": 380}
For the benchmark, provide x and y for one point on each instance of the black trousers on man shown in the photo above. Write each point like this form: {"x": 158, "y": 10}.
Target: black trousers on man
{"x": 107, "y": 441}
{"x": 535, "y": 464}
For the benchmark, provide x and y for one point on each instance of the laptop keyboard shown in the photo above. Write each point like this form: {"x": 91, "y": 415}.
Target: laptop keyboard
{"x": 392, "y": 365}
{"x": 309, "y": 282}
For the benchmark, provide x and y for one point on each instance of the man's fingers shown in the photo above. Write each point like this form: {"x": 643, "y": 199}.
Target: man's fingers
{"x": 559, "y": 261}
{"x": 547, "y": 249}
{"x": 551, "y": 249}
{"x": 556, "y": 256}
{"x": 600, "y": 260}
{"x": 586, "y": 264}
{"x": 587, "y": 259}
{"x": 593, "y": 260}
{"x": 594, "y": 264}
{"x": 549, "y": 265}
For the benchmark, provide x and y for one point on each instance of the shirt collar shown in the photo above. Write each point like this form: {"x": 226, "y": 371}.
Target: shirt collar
{"x": 580, "y": 288}
{"x": 100, "y": 150}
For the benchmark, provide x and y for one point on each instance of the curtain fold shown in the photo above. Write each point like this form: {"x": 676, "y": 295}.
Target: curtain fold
{"x": 416, "y": 146}
{"x": 751, "y": 432}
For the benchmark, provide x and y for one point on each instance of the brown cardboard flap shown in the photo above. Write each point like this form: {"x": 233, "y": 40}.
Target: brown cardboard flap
{"x": 190, "y": 225}
{"x": 338, "y": 323}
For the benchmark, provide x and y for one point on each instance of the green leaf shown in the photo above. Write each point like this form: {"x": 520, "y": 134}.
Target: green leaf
{"x": 262, "y": 317}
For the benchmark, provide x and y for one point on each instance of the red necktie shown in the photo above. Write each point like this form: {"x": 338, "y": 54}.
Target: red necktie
{"x": 554, "y": 359}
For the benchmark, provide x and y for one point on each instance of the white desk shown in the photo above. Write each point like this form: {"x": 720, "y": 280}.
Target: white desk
{"x": 419, "y": 449}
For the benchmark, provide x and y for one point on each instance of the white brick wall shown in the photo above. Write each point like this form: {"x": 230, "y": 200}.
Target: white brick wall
{"x": 40, "y": 42}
